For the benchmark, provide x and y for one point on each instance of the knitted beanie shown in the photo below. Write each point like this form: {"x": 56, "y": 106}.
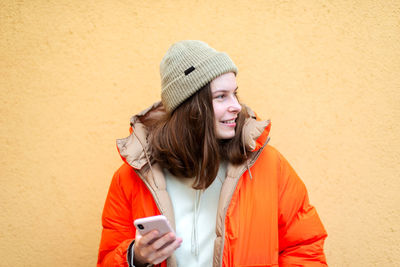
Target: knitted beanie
{"x": 187, "y": 67}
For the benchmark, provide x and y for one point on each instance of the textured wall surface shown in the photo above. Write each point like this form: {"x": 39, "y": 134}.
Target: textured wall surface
{"x": 327, "y": 73}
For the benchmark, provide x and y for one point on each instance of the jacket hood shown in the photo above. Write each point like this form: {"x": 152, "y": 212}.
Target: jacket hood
{"x": 134, "y": 149}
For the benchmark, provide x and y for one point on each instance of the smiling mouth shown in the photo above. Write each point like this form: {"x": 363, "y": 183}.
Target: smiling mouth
{"x": 229, "y": 121}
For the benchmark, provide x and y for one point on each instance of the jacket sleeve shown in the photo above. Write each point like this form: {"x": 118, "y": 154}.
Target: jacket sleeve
{"x": 118, "y": 230}
{"x": 301, "y": 233}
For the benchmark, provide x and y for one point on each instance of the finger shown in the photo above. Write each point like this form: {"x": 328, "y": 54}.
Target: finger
{"x": 162, "y": 241}
{"x": 147, "y": 238}
{"x": 164, "y": 253}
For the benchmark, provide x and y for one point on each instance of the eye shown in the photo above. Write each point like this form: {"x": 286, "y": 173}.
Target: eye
{"x": 221, "y": 96}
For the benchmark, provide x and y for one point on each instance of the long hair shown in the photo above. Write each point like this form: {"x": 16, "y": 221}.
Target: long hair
{"x": 184, "y": 142}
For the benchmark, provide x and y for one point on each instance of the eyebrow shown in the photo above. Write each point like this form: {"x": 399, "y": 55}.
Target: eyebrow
{"x": 225, "y": 90}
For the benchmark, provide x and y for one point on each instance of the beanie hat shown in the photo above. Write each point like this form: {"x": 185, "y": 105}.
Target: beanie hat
{"x": 187, "y": 67}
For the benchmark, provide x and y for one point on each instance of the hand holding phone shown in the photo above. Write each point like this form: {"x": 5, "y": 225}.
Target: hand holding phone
{"x": 155, "y": 240}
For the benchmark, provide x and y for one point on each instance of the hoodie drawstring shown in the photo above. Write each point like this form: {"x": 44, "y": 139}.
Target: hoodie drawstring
{"x": 195, "y": 241}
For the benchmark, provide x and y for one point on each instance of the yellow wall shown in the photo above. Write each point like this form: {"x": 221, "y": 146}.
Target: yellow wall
{"x": 73, "y": 72}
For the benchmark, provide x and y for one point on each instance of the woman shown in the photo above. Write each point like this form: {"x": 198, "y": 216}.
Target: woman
{"x": 201, "y": 158}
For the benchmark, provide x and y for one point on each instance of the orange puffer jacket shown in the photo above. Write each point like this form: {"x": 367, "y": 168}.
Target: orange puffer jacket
{"x": 264, "y": 216}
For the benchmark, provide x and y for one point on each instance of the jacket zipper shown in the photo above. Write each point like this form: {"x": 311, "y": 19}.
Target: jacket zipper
{"x": 230, "y": 198}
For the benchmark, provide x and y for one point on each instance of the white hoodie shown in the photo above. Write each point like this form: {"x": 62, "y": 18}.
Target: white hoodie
{"x": 195, "y": 217}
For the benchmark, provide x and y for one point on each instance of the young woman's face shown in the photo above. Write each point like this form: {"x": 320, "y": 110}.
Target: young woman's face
{"x": 225, "y": 104}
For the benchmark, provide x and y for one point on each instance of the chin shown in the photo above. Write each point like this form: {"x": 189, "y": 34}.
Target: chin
{"x": 225, "y": 135}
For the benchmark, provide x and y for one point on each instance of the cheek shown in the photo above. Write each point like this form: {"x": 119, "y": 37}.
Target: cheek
{"x": 218, "y": 112}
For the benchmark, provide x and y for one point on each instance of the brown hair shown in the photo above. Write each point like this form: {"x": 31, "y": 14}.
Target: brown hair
{"x": 184, "y": 142}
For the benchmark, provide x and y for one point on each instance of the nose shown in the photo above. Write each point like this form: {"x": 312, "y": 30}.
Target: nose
{"x": 235, "y": 106}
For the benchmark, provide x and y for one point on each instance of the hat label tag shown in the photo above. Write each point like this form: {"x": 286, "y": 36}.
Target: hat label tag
{"x": 189, "y": 70}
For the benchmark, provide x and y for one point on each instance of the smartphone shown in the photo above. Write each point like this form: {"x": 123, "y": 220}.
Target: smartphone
{"x": 148, "y": 224}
